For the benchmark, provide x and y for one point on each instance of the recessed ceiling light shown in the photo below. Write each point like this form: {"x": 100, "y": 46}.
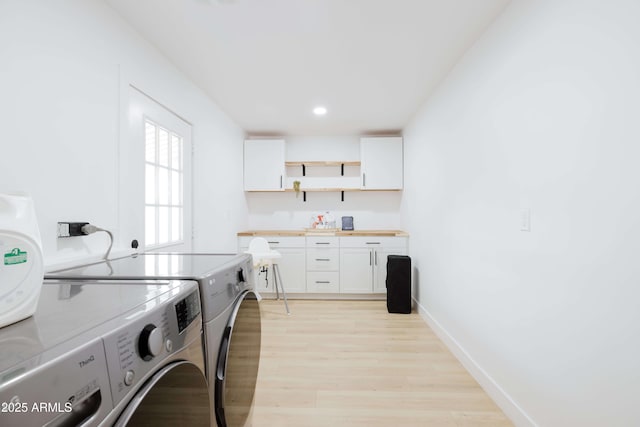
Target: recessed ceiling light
{"x": 319, "y": 111}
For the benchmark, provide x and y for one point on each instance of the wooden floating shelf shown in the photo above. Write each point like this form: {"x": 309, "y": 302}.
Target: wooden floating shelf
{"x": 321, "y": 163}
{"x": 316, "y": 163}
{"x": 290, "y": 190}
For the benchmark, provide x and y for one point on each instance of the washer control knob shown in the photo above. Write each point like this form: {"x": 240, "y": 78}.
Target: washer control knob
{"x": 128, "y": 377}
{"x": 168, "y": 345}
{"x": 150, "y": 342}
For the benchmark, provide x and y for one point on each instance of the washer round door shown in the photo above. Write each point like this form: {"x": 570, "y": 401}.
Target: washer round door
{"x": 238, "y": 361}
{"x": 177, "y": 395}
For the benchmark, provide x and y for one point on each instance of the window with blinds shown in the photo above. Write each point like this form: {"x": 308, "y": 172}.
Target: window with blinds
{"x": 164, "y": 173}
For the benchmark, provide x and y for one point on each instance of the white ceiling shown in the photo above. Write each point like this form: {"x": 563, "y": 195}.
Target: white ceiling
{"x": 267, "y": 63}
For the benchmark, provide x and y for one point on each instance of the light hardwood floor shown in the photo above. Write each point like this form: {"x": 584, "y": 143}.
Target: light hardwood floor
{"x": 350, "y": 363}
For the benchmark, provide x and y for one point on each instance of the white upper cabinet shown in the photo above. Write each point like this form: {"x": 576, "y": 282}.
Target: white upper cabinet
{"x": 264, "y": 168}
{"x": 381, "y": 163}
{"x": 380, "y": 167}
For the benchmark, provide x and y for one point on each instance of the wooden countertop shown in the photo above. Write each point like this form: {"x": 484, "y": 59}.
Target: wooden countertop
{"x": 320, "y": 232}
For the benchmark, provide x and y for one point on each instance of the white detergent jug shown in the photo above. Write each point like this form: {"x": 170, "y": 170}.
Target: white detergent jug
{"x": 21, "y": 265}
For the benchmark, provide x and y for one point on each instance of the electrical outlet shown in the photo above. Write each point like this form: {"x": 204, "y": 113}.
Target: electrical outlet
{"x": 70, "y": 229}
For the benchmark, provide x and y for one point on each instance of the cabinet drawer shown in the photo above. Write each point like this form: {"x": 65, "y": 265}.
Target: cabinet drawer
{"x": 323, "y": 259}
{"x": 323, "y": 282}
{"x": 274, "y": 241}
{"x": 323, "y": 242}
{"x": 373, "y": 242}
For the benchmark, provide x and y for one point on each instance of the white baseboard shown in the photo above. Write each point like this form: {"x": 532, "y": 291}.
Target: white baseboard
{"x": 493, "y": 389}
{"x": 326, "y": 296}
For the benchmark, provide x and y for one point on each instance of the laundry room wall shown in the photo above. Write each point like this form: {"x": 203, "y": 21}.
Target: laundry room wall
{"x": 60, "y": 83}
{"x": 283, "y": 210}
{"x": 539, "y": 119}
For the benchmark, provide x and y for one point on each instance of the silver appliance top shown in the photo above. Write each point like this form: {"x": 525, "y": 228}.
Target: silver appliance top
{"x": 154, "y": 265}
{"x": 89, "y": 345}
{"x": 67, "y": 310}
{"x": 221, "y": 277}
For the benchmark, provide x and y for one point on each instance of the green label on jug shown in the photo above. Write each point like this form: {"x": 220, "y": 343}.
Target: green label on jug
{"x": 16, "y": 256}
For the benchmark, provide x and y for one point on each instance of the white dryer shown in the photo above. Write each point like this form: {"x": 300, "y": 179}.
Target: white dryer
{"x": 95, "y": 355}
{"x": 230, "y": 312}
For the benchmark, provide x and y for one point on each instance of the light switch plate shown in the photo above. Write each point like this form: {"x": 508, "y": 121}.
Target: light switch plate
{"x": 525, "y": 219}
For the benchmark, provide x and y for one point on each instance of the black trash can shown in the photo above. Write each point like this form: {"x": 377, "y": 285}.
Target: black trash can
{"x": 398, "y": 284}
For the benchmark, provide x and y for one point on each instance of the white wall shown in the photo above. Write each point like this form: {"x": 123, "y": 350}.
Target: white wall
{"x": 541, "y": 114}
{"x": 60, "y": 113}
{"x": 370, "y": 210}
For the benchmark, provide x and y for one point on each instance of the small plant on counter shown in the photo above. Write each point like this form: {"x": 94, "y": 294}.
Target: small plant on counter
{"x": 296, "y": 187}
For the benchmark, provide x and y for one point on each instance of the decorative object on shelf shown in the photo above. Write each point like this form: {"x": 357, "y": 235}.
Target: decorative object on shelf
{"x": 296, "y": 187}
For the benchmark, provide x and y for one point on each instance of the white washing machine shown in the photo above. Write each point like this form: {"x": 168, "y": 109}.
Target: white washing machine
{"x": 95, "y": 355}
{"x": 230, "y": 312}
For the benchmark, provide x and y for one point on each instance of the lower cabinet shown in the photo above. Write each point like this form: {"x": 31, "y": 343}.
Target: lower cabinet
{"x": 292, "y": 269}
{"x": 380, "y": 267}
{"x": 363, "y": 262}
{"x": 332, "y": 265}
{"x": 323, "y": 282}
{"x": 292, "y": 265}
{"x": 356, "y": 274}
{"x": 323, "y": 264}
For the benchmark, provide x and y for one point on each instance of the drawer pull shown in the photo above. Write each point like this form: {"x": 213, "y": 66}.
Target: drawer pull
{"x": 325, "y": 282}
{"x": 373, "y": 243}
{"x": 273, "y": 243}
{"x": 323, "y": 259}
{"x": 323, "y": 243}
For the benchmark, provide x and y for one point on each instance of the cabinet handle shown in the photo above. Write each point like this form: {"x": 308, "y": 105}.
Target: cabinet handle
{"x": 326, "y": 282}
{"x": 280, "y": 181}
{"x": 364, "y": 179}
{"x": 370, "y": 255}
{"x": 373, "y": 243}
{"x": 376, "y": 257}
{"x": 322, "y": 243}
{"x": 323, "y": 259}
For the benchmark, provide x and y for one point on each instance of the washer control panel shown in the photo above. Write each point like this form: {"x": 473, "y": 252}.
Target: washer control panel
{"x": 187, "y": 309}
{"x": 150, "y": 334}
{"x": 220, "y": 289}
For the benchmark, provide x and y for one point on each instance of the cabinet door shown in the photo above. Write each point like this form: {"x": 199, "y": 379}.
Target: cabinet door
{"x": 356, "y": 270}
{"x": 292, "y": 264}
{"x": 380, "y": 267}
{"x": 293, "y": 270}
{"x": 264, "y": 165}
{"x": 381, "y": 163}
